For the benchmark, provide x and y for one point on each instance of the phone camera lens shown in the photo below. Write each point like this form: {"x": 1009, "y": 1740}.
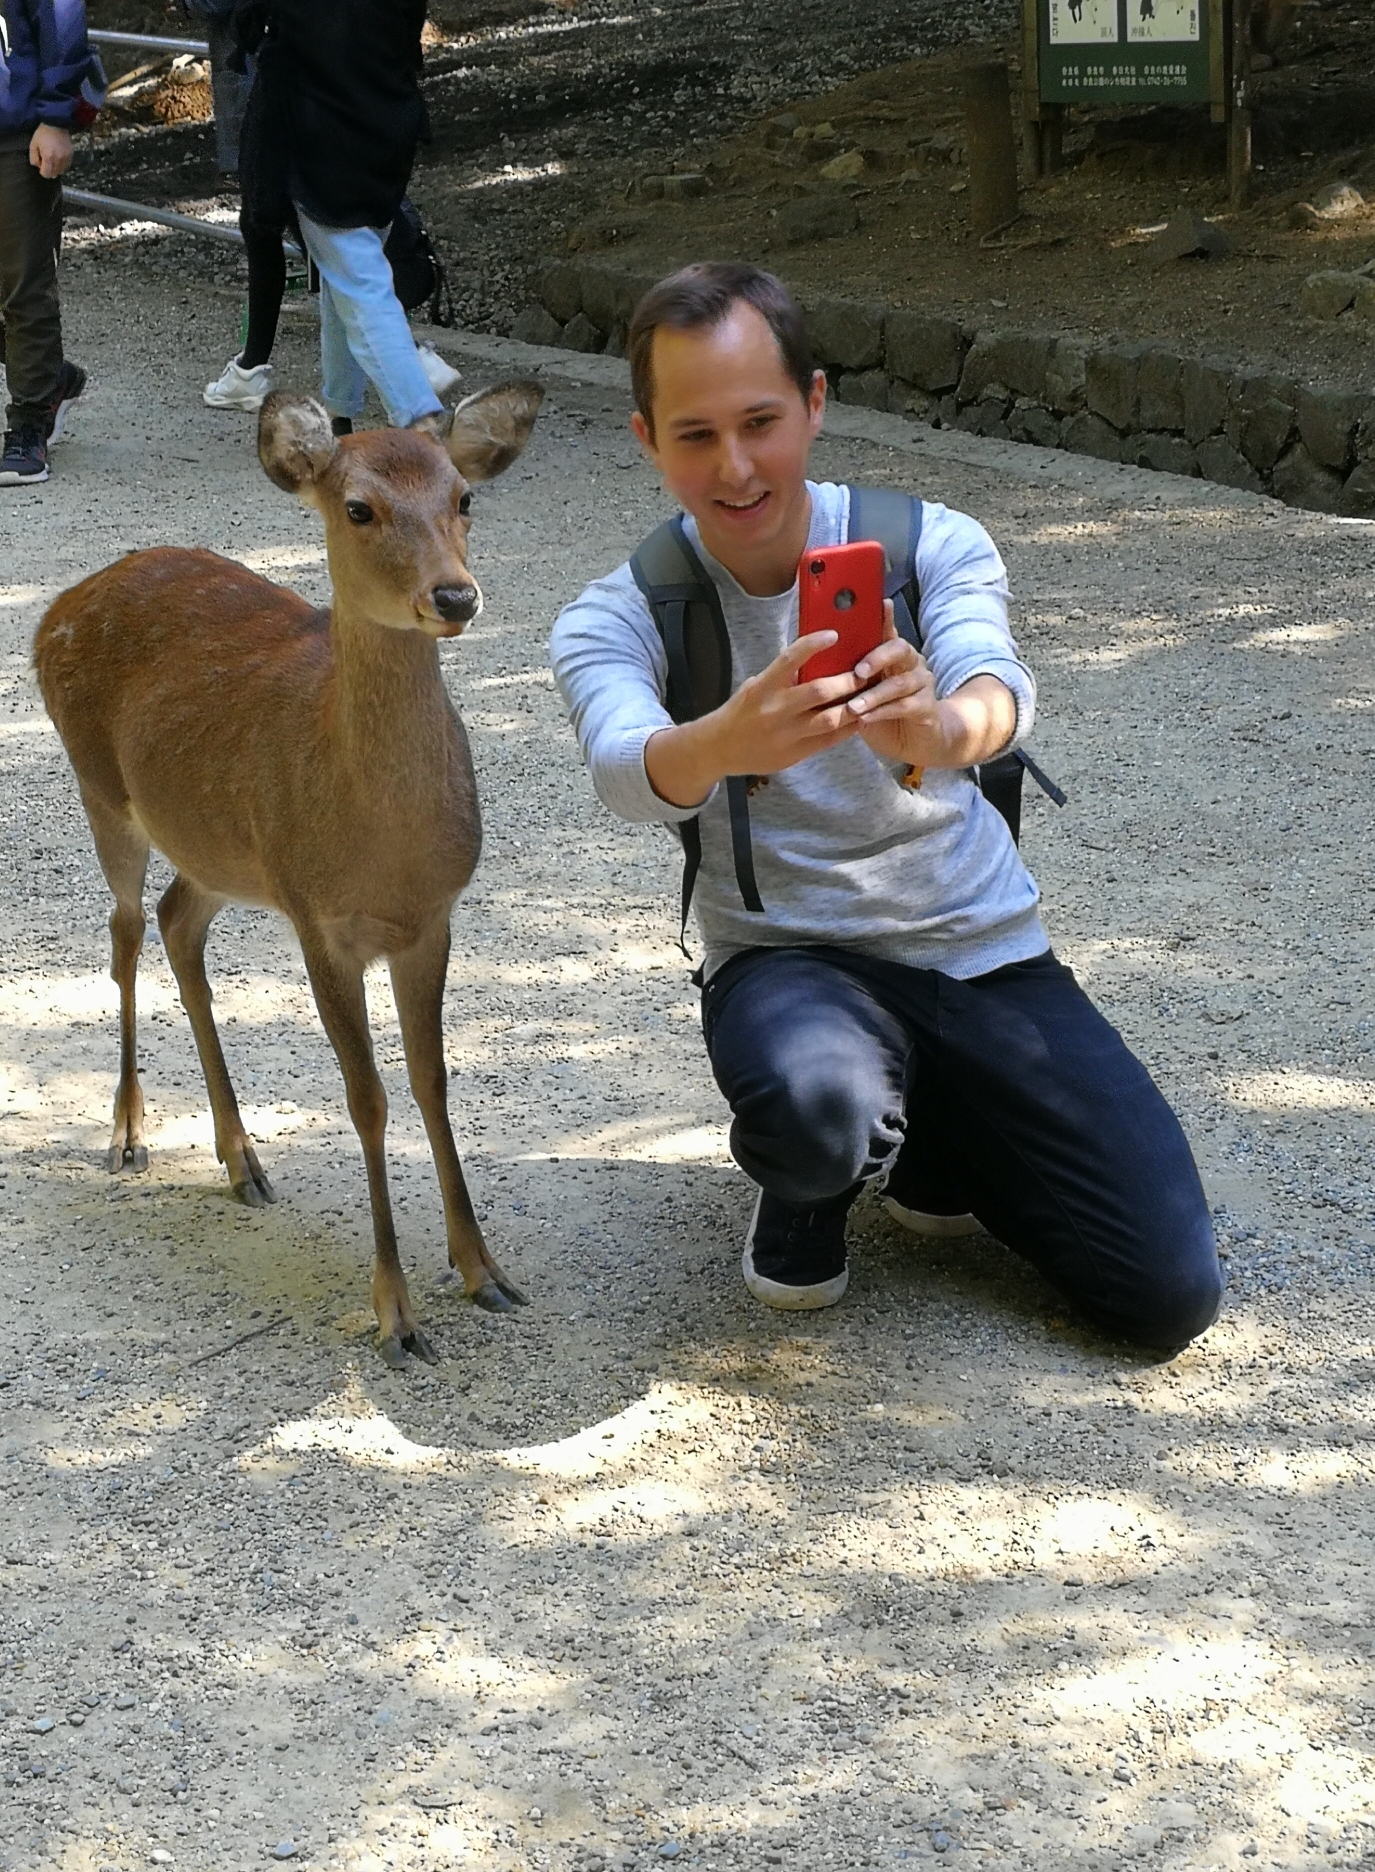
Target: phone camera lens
{"x": 844, "y": 599}
{"x": 817, "y": 567}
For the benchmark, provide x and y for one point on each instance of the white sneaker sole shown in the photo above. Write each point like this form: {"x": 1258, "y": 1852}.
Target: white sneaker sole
{"x": 947, "y": 1226}
{"x": 246, "y": 403}
{"x": 778, "y": 1294}
{"x": 22, "y": 480}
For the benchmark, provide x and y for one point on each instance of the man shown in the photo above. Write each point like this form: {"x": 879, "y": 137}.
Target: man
{"x": 895, "y": 1011}
{"x": 50, "y": 84}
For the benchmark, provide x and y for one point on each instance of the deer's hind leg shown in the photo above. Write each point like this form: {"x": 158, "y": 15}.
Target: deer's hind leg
{"x": 185, "y": 914}
{"x": 417, "y": 977}
{"x": 122, "y": 849}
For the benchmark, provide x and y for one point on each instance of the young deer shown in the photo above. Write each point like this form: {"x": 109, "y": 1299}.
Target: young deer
{"x": 310, "y": 761}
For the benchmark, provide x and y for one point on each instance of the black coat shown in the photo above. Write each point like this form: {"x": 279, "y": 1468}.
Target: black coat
{"x": 340, "y": 84}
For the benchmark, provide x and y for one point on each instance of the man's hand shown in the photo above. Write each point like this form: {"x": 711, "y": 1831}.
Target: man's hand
{"x": 773, "y": 721}
{"x": 901, "y": 720}
{"x": 50, "y": 151}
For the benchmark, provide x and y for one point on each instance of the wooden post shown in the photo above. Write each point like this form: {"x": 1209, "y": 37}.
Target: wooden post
{"x": 993, "y": 202}
{"x": 1031, "y": 90}
{"x": 1239, "y": 123}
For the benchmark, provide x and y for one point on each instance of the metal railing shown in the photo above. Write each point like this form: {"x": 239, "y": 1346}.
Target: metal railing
{"x": 149, "y": 42}
{"x": 139, "y": 211}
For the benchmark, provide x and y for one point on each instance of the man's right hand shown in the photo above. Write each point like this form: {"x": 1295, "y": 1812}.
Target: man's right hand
{"x": 772, "y": 722}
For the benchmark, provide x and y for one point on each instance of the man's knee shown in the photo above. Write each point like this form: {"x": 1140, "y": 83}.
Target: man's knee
{"x": 1177, "y": 1304}
{"x": 806, "y": 1145}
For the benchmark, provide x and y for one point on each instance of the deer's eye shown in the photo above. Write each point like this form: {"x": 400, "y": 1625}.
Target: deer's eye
{"x": 358, "y": 511}
{"x": 465, "y": 504}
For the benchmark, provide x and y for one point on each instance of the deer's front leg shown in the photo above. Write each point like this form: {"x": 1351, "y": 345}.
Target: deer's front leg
{"x": 338, "y": 988}
{"x": 418, "y": 976}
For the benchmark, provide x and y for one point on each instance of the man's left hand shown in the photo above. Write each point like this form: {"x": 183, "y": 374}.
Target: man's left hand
{"x": 50, "y": 151}
{"x": 901, "y": 720}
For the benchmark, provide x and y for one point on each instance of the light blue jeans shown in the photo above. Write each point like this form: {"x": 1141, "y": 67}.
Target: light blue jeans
{"x": 363, "y": 330}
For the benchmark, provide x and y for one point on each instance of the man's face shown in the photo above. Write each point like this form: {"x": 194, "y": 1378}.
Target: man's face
{"x": 731, "y": 437}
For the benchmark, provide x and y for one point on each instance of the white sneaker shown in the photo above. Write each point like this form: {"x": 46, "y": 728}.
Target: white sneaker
{"x": 922, "y": 1224}
{"x": 236, "y": 388}
{"x": 441, "y": 374}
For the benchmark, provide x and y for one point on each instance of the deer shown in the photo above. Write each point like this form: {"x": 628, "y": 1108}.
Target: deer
{"x": 309, "y": 761}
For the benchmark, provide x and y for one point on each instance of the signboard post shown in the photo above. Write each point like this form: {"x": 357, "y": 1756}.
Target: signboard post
{"x": 1135, "y": 52}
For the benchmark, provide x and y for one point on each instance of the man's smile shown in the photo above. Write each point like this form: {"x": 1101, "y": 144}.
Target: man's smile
{"x": 752, "y": 505}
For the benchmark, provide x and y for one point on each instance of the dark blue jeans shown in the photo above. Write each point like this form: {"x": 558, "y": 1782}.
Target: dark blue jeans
{"x": 1009, "y": 1096}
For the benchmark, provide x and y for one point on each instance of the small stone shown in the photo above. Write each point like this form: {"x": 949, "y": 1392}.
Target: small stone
{"x": 848, "y": 167}
{"x": 816, "y": 217}
{"x": 580, "y": 334}
{"x": 1338, "y": 201}
{"x": 685, "y": 187}
{"x": 670, "y": 1849}
{"x": 285, "y": 1849}
{"x": 536, "y": 326}
{"x": 124, "y": 1701}
{"x": 940, "y": 1840}
{"x": 1122, "y": 1773}
{"x": 1073, "y": 1579}
{"x": 91, "y": 1699}
{"x": 126, "y": 1784}
{"x": 76, "y": 1718}
{"x": 160, "y": 1856}
{"x": 44, "y": 1726}
{"x": 1188, "y": 236}
{"x": 1328, "y": 294}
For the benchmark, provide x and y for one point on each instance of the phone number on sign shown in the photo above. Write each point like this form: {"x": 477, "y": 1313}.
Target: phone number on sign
{"x": 1103, "y": 77}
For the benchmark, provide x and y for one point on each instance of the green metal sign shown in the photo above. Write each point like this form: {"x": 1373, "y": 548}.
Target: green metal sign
{"x": 1124, "y": 51}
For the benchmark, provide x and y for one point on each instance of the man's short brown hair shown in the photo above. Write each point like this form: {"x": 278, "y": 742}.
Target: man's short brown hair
{"x": 701, "y": 296}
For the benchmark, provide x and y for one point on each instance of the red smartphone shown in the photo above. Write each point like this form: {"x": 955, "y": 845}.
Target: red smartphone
{"x": 840, "y": 588}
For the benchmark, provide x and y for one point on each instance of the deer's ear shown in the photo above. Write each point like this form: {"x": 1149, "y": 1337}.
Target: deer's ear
{"x": 295, "y": 441}
{"x": 487, "y": 431}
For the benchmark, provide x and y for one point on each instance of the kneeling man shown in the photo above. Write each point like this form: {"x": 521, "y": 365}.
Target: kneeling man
{"x": 889, "y": 1008}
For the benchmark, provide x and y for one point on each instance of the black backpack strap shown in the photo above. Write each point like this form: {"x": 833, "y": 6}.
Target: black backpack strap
{"x": 686, "y": 608}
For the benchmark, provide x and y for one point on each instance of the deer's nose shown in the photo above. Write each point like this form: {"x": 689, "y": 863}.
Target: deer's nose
{"x": 456, "y": 604}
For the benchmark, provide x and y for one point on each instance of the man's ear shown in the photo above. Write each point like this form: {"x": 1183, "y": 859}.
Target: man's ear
{"x": 487, "y": 431}
{"x": 295, "y": 442}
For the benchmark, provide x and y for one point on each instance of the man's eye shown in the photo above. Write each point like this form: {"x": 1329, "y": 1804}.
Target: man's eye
{"x": 760, "y": 422}
{"x": 358, "y": 511}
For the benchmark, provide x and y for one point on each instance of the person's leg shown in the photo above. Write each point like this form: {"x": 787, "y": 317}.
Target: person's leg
{"x": 228, "y": 88}
{"x": 362, "y": 297}
{"x": 342, "y": 383}
{"x": 266, "y": 286}
{"x": 30, "y": 313}
{"x": 813, "y": 1067}
{"x": 1033, "y": 1113}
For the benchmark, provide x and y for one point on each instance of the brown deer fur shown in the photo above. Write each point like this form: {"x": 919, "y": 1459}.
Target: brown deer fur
{"x": 309, "y": 761}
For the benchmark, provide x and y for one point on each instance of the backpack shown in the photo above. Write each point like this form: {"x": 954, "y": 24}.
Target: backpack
{"x": 686, "y": 609}
{"x": 417, "y": 271}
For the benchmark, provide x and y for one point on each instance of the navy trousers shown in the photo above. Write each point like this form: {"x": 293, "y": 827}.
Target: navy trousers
{"x": 1009, "y": 1096}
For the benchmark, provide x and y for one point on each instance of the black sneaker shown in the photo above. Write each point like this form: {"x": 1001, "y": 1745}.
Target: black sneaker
{"x": 794, "y": 1257}
{"x": 25, "y": 458}
{"x": 71, "y": 381}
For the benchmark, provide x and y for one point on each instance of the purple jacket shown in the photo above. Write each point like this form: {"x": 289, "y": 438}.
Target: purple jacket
{"x": 48, "y": 72}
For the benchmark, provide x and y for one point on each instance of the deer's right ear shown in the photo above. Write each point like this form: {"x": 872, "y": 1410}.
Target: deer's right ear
{"x": 295, "y": 441}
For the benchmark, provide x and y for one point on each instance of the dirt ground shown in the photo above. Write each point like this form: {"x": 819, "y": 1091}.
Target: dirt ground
{"x": 644, "y": 1572}
{"x": 532, "y": 155}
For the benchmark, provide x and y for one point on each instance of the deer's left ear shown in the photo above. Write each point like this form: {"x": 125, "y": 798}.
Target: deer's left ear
{"x": 487, "y": 431}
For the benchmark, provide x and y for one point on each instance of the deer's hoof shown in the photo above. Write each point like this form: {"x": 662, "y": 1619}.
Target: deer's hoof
{"x": 493, "y": 1299}
{"x": 254, "y": 1192}
{"x": 396, "y": 1345}
{"x": 132, "y": 1157}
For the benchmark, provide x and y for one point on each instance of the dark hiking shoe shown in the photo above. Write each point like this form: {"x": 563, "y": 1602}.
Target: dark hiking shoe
{"x": 25, "y": 458}
{"x": 795, "y": 1257}
{"x": 71, "y": 381}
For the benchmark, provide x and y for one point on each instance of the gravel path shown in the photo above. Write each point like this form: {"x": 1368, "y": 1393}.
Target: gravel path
{"x": 645, "y": 1573}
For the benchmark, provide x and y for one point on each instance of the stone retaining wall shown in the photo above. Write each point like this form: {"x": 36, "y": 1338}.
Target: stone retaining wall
{"x": 1138, "y": 403}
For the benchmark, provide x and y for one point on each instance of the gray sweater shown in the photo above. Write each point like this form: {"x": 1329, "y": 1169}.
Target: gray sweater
{"x": 843, "y": 854}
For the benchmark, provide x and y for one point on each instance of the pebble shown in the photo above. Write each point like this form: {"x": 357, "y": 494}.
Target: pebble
{"x": 124, "y": 1701}
{"x": 670, "y": 1849}
{"x": 160, "y": 1856}
{"x": 284, "y": 1849}
{"x": 940, "y": 1840}
{"x": 44, "y": 1726}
